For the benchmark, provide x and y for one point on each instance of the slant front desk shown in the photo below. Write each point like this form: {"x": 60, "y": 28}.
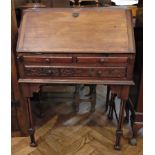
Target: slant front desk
{"x": 76, "y": 46}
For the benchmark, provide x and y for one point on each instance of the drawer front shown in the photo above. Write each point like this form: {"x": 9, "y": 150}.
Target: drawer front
{"x": 102, "y": 60}
{"x": 46, "y": 59}
{"x": 109, "y": 72}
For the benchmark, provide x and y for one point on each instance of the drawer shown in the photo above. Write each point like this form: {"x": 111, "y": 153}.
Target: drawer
{"x": 102, "y": 60}
{"x": 109, "y": 72}
{"x": 46, "y": 59}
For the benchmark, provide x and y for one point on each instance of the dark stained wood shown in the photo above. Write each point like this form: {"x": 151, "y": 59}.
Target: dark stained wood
{"x": 75, "y": 81}
{"x": 102, "y": 59}
{"x": 46, "y": 59}
{"x": 68, "y": 71}
{"x": 22, "y": 115}
{"x": 19, "y": 2}
{"x": 138, "y": 118}
{"x": 20, "y": 112}
{"x": 32, "y": 5}
{"x": 111, "y": 105}
{"x": 92, "y": 35}
{"x": 14, "y": 28}
{"x": 107, "y": 98}
{"x": 140, "y": 96}
{"x": 31, "y": 126}
{"x": 75, "y": 65}
{"x": 88, "y": 3}
{"x": 93, "y": 97}
{"x": 77, "y": 98}
{"x": 119, "y": 131}
{"x": 14, "y": 120}
{"x": 48, "y": 3}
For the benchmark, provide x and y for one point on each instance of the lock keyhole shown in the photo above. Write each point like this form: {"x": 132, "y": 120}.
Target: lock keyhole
{"x": 75, "y": 14}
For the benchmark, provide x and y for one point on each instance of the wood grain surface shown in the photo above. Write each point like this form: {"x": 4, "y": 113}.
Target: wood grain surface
{"x": 72, "y": 30}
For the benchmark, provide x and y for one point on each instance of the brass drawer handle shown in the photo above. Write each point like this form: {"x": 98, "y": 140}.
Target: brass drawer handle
{"x": 99, "y": 72}
{"x": 102, "y": 60}
{"x": 49, "y": 71}
{"x": 47, "y": 60}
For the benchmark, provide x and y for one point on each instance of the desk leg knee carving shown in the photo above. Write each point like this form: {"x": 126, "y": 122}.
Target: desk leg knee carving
{"x": 119, "y": 131}
{"x": 31, "y": 129}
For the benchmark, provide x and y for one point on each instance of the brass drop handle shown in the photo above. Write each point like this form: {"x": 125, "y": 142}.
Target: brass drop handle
{"x": 49, "y": 71}
{"x": 102, "y": 60}
{"x": 47, "y": 60}
{"x": 99, "y": 72}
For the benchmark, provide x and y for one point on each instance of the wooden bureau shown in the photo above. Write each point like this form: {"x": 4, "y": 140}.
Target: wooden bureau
{"x": 76, "y": 46}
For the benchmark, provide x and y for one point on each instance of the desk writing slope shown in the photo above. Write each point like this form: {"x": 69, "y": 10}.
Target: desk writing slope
{"x": 100, "y": 30}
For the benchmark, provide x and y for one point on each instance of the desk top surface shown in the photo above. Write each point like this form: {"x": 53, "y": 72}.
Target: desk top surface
{"x": 76, "y": 30}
